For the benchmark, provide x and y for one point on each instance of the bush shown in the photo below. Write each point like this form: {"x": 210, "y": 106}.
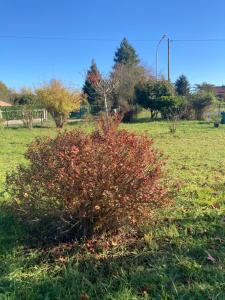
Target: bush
{"x": 129, "y": 115}
{"x": 78, "y": 185}
{"x": 200, "y": 102}
{"x": 172, "y": 106}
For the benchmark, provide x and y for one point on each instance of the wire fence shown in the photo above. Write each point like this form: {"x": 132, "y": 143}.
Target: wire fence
{"x": 15, "y": 115}
{"x": 86, "y": 110}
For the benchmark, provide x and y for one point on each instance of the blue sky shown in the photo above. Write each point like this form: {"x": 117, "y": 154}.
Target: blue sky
{"x": 97, "y": 28}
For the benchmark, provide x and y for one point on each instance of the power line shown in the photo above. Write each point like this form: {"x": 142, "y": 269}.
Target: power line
{"x": 68, "y": 38}
{"x": 198, "y": 40}
{"x": 31, "y": 37}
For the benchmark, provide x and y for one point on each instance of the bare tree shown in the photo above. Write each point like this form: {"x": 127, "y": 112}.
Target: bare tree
{"x": 105, "y": 88}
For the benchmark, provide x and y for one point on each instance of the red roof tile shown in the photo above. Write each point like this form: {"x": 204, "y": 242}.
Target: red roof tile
{"x": 220, "y": 89}
{"x": 3, "y": 103}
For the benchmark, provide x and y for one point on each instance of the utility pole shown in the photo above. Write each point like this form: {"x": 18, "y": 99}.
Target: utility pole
{"x": 168, "y": 41}
{"x": 157, "y": 54}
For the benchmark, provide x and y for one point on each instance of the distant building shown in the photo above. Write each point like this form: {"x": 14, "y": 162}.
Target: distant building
{"x": 220, "y": 91}
{"x": 3, "y": 103}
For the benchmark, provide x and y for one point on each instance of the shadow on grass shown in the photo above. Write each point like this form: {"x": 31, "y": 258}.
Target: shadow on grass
{"x": 188, "y": 265}
{"x": 142, "y": 120}
{"x": 77, "y": 123}
{"x": 83, "y": 123}
{"x": 44, "y": 126}
{"x": 10, "y": 231}
{"x": 34, "y": 127}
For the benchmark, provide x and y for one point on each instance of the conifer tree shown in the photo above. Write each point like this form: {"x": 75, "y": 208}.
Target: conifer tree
{"x": 92, "y": 78}
{"x": 182, "y": 86}
{"x": 126, "y": 54}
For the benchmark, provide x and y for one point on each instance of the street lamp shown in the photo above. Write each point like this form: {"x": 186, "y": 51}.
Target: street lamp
{"x": 157, "y": 53}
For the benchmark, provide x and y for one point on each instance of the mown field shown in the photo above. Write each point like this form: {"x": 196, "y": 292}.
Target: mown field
{"x": 182, "y": 255}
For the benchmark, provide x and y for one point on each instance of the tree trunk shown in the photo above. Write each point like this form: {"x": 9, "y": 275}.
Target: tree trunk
{"x": 153, "y": 114}
{"x": 59, "y": 119}
{"x": 199, "y": 114}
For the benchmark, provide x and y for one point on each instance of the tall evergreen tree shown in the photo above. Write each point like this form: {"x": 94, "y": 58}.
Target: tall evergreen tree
{"x": 92, "y": 78}
{"x": 126, "y": 54}
{"x": 182, "y": 86}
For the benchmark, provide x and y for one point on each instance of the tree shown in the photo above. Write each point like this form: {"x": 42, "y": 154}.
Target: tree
{"x": 127, "y": 76}
{"x": 93, "y": 76}
{"x": 200, "y": 101}
{"x": 24, "y": 97}
{"x": 105, "y": 87}
{"x": 205, "y": 87}
{"x": 27, "y": 99}
{"x": 58, "y": 100}
{"x": 182, "y": 86}
{"x": 4, "y": 91}
{"x": 126, "y": 54}
{"x": 150, "y": 95}
{"x": 129, "y": 73}
{"x": 172, "y": 106}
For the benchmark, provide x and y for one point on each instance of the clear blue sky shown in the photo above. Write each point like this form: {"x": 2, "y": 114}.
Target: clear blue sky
{"x": 28, "y": 62}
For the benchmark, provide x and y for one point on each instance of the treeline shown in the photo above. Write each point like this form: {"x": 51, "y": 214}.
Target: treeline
{"x": 134, "y": 87}
{"x": 129, "y": 87}
{"x": 58, "y": 99}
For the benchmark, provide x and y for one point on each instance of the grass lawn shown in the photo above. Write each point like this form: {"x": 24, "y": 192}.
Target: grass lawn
{"x": 183, "y": 255}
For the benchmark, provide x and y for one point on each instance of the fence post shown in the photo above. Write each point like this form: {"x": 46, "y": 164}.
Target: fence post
{"x": 42, "y": 114}
{"x": 7, "y": 122}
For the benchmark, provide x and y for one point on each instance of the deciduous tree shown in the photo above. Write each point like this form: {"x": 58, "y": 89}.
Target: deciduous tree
{"x": 59, "y": 100}
{"x": 150, "y": 95}
{"x": 23, "y": 97}
{"x": 105, "y": 88}
{"x": 205, "y": 87}
{"x": 127, "y": 76}
{"x": 200, "y": 102}
{"x": 4, "y": 92}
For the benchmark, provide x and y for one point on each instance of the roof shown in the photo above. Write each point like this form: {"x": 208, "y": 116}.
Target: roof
{"x": 220, "y": 89}
{"x": 3, "y": 103}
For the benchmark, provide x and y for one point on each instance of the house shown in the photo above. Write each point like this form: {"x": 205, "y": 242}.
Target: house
{"x": 220, "y": 91}
{"x": 3, "y": 103}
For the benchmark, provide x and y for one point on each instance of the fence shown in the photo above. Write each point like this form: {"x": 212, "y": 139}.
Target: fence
{"x": 12, "y": 115}
{"x": 86, "y": 110}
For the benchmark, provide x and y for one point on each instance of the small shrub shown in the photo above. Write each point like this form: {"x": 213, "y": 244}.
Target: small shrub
{"x": 78, "y": 185}
{"x": 173, "y": 122}
{"x": 27, "y": 117}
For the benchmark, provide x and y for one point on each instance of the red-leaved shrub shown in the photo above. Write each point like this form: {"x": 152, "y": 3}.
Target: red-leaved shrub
{"x": 77, "y": 185}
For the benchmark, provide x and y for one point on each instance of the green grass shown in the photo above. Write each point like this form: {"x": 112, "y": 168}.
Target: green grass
{"x": 183, "y": 256}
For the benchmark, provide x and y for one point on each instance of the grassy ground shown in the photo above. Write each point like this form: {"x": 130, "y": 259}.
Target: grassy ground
{"x": 183, "y": 256}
